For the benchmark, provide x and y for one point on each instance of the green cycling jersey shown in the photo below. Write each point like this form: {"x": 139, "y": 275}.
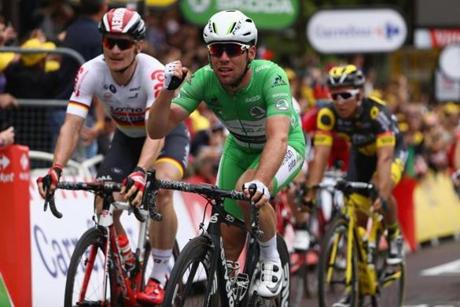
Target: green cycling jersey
{"x": 245, "y": 112}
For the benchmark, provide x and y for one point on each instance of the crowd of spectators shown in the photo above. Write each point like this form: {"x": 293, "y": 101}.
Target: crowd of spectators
{"x": 430, "y": 130}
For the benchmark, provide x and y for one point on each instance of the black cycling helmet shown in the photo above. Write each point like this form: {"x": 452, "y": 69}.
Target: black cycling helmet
{"x": 347, "y": 75}
{"x": 123, "y": 21}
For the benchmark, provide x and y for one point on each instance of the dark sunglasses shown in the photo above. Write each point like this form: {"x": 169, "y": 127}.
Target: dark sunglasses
{"x": 231, "y": 49}
{"x": 345, "y": 95}
{"x": 122, "y": 44}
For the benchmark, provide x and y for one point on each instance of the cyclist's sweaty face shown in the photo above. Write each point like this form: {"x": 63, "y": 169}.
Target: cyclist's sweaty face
{"x": 229, "y": 60}
{"x": 119, "y": 51}
{"x": 345, "y": 100}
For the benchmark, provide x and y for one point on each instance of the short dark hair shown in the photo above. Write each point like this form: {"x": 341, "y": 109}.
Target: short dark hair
{"x": 91, "y": 7}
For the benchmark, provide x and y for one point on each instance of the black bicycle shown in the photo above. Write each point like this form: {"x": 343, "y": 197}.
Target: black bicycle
{"x": 202, "y": 276}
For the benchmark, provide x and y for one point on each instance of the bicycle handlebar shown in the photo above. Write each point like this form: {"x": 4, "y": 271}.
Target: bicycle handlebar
{"x": 349, "y": 187}
{"x": 151, "y": 190}
{"x": 211, "y": 191}
{"x": 95, "y": 186}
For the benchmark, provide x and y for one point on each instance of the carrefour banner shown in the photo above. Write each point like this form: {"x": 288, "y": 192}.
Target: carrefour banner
{"x": 267, "y": 14}
{"x": 356, "y": 30}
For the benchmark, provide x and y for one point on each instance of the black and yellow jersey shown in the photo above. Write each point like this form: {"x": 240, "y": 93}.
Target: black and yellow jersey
{"x": 372, "y": 127}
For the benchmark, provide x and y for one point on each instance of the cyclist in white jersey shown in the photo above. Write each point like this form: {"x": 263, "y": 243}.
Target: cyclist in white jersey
{"x": 127, "y": 82}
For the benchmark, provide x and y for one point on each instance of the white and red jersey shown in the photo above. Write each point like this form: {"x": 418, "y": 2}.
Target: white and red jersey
{"x": 127, "y": 104}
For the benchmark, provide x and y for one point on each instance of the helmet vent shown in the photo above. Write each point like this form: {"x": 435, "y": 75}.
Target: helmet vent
{"x": 232, "y": 28}
{"x": 214, "y": 27}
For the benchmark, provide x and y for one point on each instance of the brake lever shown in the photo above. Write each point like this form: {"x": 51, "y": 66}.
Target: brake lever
{"x": 138, "y": 215}
{"x": 49, "y": 199}
{"x": 255, "y": 228}
{"x": 149, "y": 198}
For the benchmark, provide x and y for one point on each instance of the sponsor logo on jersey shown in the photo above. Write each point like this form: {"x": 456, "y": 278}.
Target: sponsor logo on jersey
{"x": 257, "y": 112}
{"x": 282, "y": 105}
{"x": 278, "y": 81}
{"x": 112, "y": 88}
{"x": 78, "y": 80}
{"x": 252, "y": 99}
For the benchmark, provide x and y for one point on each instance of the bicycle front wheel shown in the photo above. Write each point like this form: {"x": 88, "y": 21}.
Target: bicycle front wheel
{"x": 191, "y": 278}
{"x": 333, "y": 267}
{"x": 86, "y": 276}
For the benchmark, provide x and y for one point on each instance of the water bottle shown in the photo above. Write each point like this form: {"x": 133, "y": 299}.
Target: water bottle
{"x": 126, "y": 252}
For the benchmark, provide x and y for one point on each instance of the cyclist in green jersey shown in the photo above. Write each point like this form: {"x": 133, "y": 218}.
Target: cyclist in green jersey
{"x": 266, "y": 145}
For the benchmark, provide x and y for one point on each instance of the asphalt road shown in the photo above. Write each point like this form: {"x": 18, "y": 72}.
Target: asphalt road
{"x": 433, "y": 277}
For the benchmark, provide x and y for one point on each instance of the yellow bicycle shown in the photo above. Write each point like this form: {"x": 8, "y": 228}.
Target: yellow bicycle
{"x": 352, "y": 269}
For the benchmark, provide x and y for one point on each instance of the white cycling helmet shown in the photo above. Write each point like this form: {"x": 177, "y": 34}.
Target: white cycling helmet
{"x": 230, "y": 26}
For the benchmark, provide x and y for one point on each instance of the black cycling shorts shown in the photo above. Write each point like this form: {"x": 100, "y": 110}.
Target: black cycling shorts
{"x": 362, "y": 168}
{"x": 124, "y": 153}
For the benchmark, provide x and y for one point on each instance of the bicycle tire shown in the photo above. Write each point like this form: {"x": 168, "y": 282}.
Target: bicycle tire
{"x": 298, "y": 284}
{"x": 92, "y": 238}
{"x": 197, "y": 252}
{"x": 338, "y": 228}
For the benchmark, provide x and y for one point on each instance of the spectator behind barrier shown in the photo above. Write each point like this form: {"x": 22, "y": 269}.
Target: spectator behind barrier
{"x": 31, "y": 76}
{"x": 6, "y": 100}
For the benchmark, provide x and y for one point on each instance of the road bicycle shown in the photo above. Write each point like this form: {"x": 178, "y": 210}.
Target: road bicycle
{"x": 202, "y": 276}
{"x": 304, "y": 261}
{"x": 352, "y": 261}
{"x": 97, "y": 274}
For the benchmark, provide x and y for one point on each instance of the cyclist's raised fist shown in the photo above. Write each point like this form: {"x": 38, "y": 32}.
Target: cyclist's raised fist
{"x": 48, "y": 183}
{"x": 175, "y": 74}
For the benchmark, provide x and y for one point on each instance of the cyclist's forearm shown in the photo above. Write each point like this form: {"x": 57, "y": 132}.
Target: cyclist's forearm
{"x": 384, "y": 161}
{"x": 158, "y": 123}
{"x": 271, "y": 159}
{"x": 318, "y": 165}
{"x": 150, "y": 152}
{"x": 68, "y": 139}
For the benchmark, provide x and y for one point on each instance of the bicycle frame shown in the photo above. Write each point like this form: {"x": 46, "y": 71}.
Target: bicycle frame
{"x": 228, "y": 293}
{"x": 123, "y": 284}
{"x": 354, "y": 204}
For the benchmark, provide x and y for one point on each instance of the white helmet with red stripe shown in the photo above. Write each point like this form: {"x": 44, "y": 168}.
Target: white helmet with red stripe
{"x": 123, "y": 21}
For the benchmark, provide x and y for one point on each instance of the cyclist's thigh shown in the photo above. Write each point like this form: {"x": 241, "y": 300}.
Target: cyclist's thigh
{"x": 233, "y": 163}
{"x": 292, "y": 164}
{"x": 172, "y": 161}
{"x": 290, "y": 167}
{"x": 121, "y": 158}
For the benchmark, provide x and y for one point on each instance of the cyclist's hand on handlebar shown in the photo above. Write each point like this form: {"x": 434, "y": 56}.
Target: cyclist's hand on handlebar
{"x": 174, "y": 75}
{"x": 48, "y": 183}
{"x": 261, "y": 195}
{"x": 308, "y": 200}
{"x": 380, "y": 204}
{"x": 133, "y": 186}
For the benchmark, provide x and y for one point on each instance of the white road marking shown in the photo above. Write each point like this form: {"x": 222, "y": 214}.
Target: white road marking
{"x": 450, "y": 268}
